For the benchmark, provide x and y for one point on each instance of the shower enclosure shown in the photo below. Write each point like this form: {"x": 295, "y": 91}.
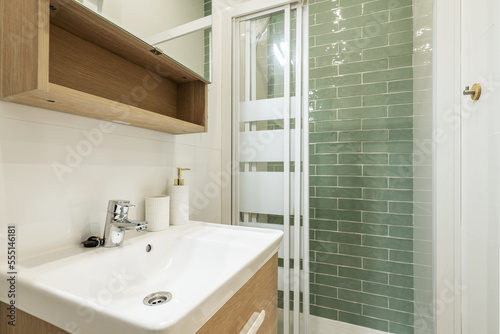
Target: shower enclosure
{"x": 332, "y": 143}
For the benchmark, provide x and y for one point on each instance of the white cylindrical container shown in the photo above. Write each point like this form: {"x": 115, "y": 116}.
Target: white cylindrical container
{"x": 179, "y": 204}
{"x": 158, "y": 213}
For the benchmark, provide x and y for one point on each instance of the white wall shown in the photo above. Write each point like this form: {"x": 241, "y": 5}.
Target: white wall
{"x": 54, "y": 208}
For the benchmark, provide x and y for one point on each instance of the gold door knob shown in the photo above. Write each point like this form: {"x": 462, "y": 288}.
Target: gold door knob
{"x": 475, "y": 92}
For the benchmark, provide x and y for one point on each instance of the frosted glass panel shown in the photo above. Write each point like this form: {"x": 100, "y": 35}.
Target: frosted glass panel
{"x": 262, "y": 146}
{"x": 263, "y": 192}
{"x": 262, "y": 110}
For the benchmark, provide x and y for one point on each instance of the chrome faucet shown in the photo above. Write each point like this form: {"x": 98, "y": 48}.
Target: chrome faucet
{"x": 117, "y": 222}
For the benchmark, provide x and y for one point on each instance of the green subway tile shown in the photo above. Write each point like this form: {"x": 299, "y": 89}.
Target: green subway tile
{"x": 398, "y": 207}
{"x": 323, "y": 50}
{"x": 388, "y": 123}
{"x": 338, "y": 304}
{"x": 322, "y": 72}
{"x": 388, "y": 51}
{"x": 401, "y": 232}
{"x": 325, "y": 17}
{"x": 364, "y": 298}
{"x": 324, "y": 312}
{"x": 360, "y": 320}
{"x": 339, "y": 80}
{"x": 388, "y": 75}
{"x": 323, "y": 180}
{"x": 339, "y": 125}
{"x": 348, "y": 57}
{"x": 323, "y": 115}
{"x": 338, "y": 192}
{"x": 358, "y": 45}
{"x": 401, "y": 256}
{"x": 377, "y": 135}
{"x": 387, "y": 218}
{"x": 347, "y": 238}
{"x": 325, "y": 27}
{"x": 339, "y": 170}
{"x": 323, "y": 246}
{"x": 328, "y": 203}
{"x": 351, "y": 11}
{"x": 323, "y": 224}
{"x": 365, "y": 20}
{"x": 403, "y": 134}
{"x": 401, "y": 183}
{"x": 400, "y": 171}
{"x": 391, "y": 315}
{"x": 338, "y": 147}
{"x": 347, "y": 3}
{"x": 367, "y": 89}
{"x": 322, "y": 159}
{"x": 346, "y": 102}
{"x": 388, "y": 194}
{"x": 401, "y": 13}
{"x": 338, "y": 282}
{"x": 338, "y": 215}
{"x": 379, "y": 5}
{"x": 323, "y": 290}
{"x": 336, "y": 259}
{"x": 390, "y": 291}
{"x": 364, "y": 66}
{"x": 365, "y": 159}
{"x": 401, "y": 110}
{"x": 363, "y": 228}
{"x": 400, "y": 305}
{"x": 400, "y": 86}
{"x": 388, "y": 266}
{"x": 321, "y": 94}
{"x": 401, "y": 38}
{"x": 387, "y": 242}
{"x": 366, "y": 112}
{"x": 369, "y": 182}
{"x": 387, "y": 99}
{"x": 361, "y": 251}
{"x": 388, "y": 28}
{"x": 402, "y": 61}
{"x": 388, "y": 147}
{"x": 323, "y": 268}
{"x": 343, "y": 35}
{"x": 323, "y": 137}
{"x": 363, "y": 205}
{"x": 339, "y": 58}
{"x": 402, "y": 329}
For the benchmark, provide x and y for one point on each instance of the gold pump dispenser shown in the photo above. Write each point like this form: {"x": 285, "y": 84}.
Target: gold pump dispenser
{"x": 179, "y": 181}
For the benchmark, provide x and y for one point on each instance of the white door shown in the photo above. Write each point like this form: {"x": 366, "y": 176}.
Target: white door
{"x": 480, "y": 167}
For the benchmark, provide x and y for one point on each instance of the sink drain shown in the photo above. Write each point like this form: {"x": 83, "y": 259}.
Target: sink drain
{"x": 157, "y": 298}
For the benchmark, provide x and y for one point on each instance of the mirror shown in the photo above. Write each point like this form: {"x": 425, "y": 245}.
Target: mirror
{"x": 152, "y": 20}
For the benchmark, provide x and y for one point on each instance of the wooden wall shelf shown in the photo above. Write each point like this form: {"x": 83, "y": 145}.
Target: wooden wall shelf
{"x": 60, "y": 55}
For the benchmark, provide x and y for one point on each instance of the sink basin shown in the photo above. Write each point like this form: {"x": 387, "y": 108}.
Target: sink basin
{"x": 102, "y": 290}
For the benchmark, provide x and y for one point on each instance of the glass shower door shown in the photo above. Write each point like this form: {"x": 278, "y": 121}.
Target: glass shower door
{"x": 267, "y": 137}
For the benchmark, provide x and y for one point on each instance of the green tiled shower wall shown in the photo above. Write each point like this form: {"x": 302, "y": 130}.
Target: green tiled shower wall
{"x": 361, "y": 95}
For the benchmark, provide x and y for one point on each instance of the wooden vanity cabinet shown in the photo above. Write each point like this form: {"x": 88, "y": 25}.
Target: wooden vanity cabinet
{"x": 60, "y": 55}
{"x": 260, "y": 293}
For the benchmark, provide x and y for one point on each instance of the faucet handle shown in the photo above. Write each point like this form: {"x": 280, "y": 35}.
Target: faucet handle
{"x": 119, "y": 207}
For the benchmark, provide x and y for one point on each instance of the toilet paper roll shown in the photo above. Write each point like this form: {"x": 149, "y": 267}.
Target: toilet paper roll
{"x": 179, "y": 204}
{"x": 158, "y": 213}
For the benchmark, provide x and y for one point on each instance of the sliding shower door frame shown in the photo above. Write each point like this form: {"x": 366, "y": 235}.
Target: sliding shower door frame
{"x": 301, "y": 152}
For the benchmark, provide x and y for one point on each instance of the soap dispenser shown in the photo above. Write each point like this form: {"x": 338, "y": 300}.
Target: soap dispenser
{"x": 179, "y": 200}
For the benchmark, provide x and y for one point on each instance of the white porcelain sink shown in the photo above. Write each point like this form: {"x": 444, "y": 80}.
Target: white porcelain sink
{"x": 101, "y": 290}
